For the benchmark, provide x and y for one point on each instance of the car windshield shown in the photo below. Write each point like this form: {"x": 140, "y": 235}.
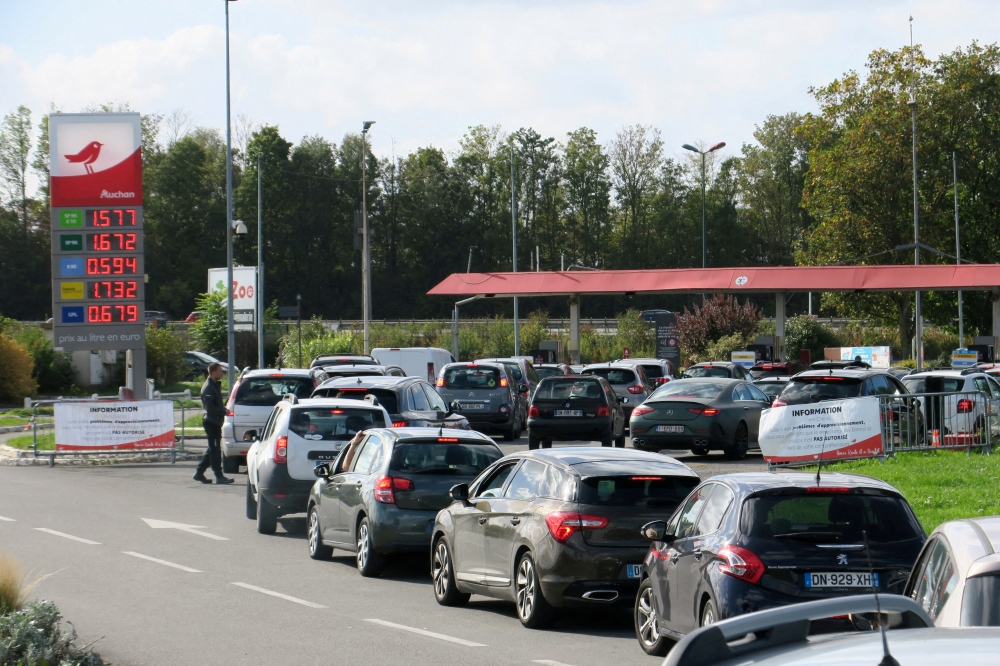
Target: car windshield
{"x": 829, "y": 518}
{"x": 268, "y": 391}
{"x": 641, "y": 490}
{"x": 385, "y": 397}
{"x": 436, "y": 457}
{"x": 334, "y": 422}
{"x": 473, "y": 376}
{"x": 613, "y": 375}
{"x": 707, "y": 371}
{"x": 548, "y": 372}
{"x": 921, "y": 384}
{"x": 565, "y": 388}
{"x": 771, "y": 389}
{"x": 682, "y": 389}
{"x": 815, "y": 389}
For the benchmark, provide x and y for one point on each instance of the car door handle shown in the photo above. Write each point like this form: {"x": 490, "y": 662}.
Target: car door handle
{"x": 482, "y": 520}
{"x": 515, "y": 521}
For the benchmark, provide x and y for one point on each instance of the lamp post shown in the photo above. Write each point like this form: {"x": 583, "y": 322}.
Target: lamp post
{"x": 230, "y": 326}
{"x": 958, "y": 248}
{"x": 704, "y": 224}
{"x": 469, "y": 267}
{"x": 912, "y": 103}
{"x": 513, "y": 223}
{"x": 366, "y": 269}
{"x": 260, "y": 268}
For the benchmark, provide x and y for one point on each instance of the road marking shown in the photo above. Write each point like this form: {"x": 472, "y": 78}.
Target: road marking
{"x": 294, "y": 600}
{"x": 68, "y": 536}
{"x": 191, "y": 529}
{"x": 422, "y": 632}
{"x": 163, "y": 562}
{"x": 9, "y": 520}
{"x": 548, "y": 662}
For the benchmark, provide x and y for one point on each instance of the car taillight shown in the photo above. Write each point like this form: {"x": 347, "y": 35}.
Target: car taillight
{"x": 603, "y": 411}
{"x": 703, "y": 411}
{"x": 440, "y": 381}
{"x": 641, "y": 409}
{"x": 637, "y": 388}
{"x": 230, "y": 412}
{"x": 504, "y": 409}
{"x": 741, "y": 563}
{"x": 562, "y": 524}
{"x": 281, "y": 450}
{"x": 965, "y": 406}
{"x": 778, "y": 402}
{"x": 386, "y": 487}
{"x": 399, "y": 424}
{"x": 533, "y": 411}
{"x": 503, "y": 382}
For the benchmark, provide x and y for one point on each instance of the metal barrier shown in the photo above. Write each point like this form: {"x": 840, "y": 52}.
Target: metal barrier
{"x": 929, "y": 421}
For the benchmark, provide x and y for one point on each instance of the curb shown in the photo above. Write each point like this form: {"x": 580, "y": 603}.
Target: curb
{"x": 11, "y": 457}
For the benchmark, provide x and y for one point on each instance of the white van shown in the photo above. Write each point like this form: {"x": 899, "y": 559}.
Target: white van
{"x": 423, "y": 362}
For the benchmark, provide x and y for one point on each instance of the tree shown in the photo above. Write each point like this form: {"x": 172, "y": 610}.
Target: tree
{"x": 718, "y": 316}
{"x": 15, "y": 152}
{"x": 636, "y": 156}
{"x": 587, "y": 215}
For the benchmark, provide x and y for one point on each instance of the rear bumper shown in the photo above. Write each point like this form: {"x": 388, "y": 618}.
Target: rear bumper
{"x": 396, "y": 530}
{"x": 490, "y": 422}
{"x": 281, "y": 490}
{"x": 641, "y": 440}
{"x": 570, "y": 428}
{"x": 568, "y": 572}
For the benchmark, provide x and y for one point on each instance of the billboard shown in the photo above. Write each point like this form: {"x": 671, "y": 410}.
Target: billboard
{"x": 98, "y": 267}
{"x": 244, "y": 294}
{"x": 144, "y": 424}
{"x": 667, "y": 345}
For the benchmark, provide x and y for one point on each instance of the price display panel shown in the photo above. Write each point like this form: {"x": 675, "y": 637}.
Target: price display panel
{"x": 117, "y": 218}
{"x": 112, "y": 289}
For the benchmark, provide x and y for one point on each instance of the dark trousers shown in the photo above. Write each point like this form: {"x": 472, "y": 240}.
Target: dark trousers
{"x": 213, "y": 455}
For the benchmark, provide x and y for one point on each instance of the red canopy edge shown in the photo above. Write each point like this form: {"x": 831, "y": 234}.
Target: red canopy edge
{"x": 928, "y": 277}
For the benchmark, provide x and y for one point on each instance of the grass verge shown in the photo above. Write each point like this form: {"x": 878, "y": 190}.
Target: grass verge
{"x": 46, "y": 442}
{"x": 939, "y": 485}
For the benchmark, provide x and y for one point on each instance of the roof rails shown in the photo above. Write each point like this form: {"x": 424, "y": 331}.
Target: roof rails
{"x": 782, "y": 626}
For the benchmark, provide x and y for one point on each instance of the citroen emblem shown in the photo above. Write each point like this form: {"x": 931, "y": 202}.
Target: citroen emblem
{"x": 472, "y": 394}
{"x": 842, "y": 559}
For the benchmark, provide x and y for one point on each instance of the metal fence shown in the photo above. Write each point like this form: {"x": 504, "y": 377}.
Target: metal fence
{"x": 927, "y": 421}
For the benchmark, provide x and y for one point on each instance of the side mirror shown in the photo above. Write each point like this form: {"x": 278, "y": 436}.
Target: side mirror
{"x": 455, "y": 406}
{"x": 460, "y": 492}
{"x": 624, "y": 399}
{"x": 250, "y": 436}
{"x": 322, "y": 471}
{"x": 523, "y": 388}
{"x": 654, "y": 531}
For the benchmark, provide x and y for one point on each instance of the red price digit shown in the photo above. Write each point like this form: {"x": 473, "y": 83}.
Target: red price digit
{"x": 130, "y": 289}
{"x": 102, "y": 242}
{"x": 129, "y": 242}
{"x": 131, "y": 313}
{"x": 130, "y": 264}
{"x": 105, "y": 219}
{"x": 119, "y": 265}
{"x": 120, "y": 217}
{"x": 94, "y": 313}
{"x": 132, "y": 214}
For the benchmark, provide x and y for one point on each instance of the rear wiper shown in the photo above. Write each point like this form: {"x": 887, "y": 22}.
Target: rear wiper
{"x": 810, "y": 536}
{"x": 437, "y": 470}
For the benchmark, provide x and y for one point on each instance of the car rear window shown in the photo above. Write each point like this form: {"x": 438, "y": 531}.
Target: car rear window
{"x": 829, "y": 518}
{"x": 268, "y": 391}
{"x": 613, "y": 375}
{"x": 334, "y": 422}
{"x": 682, "y": 388}
{"x": 385, "y": 397}
{"x": 814, "y": 389}
{"x": 653, "y": 371}
{"x": 757, "y": 373}
{"x": 435, "y": 457}
{"x": 708, "y": 371}
{"x": 472, "y": 377}
{"x": 515, "y": 370}
{"x": 934, "y": 384}
{"x": 639, "y": 490}
{"x": 548, "y": 372}
{"x": 770, "y": 389}
{"x": 559, "y": 388}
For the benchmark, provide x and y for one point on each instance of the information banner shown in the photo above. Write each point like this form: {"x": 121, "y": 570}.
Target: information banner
{"x": 828, "y": 430}
{"x": 143, "y": 424}
{"x": 244, "y": 294}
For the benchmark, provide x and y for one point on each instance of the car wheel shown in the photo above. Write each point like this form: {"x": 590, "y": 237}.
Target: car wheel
{"x": 741, "y": 442}
{"x": 317, "y": 549}
{"x": 650, "y": 639}
{"x": 230, "y": 464}
{"x": 532, "y": 442}
{"x": 699, "y": 450}
{"x": 251, "y": 502}
{"x": 546, "y": 443}
{"x": 620, "y": 441}
{"x": 606, "y": 440}
{"x": 370, "y": 562}
{"x": 443, "y": 575}
{"x": 267, "y": 516}
{"x": 510, "y": 434}
{"x": 532, "y": 608}
{"x": 708, "y": 614}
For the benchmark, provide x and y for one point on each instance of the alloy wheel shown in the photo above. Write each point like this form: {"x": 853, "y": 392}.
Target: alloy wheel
{"x": 525, "y": 587}
{"x": 708, "y": 616}
{"x": 363, "y": 545}
{"x": 313, "y": 532}
{"x": 646, "y": 615}
{"x": 441, "y": 578}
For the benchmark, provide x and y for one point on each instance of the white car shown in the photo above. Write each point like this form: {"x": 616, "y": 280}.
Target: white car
{"x": 957, "y": 415}
{"x": 255, "y": 395}
{"x": 298, "y": 435}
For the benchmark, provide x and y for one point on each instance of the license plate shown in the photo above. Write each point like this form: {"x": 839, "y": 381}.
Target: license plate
{"x": 841, "y": 579}
{"x": 569, "y": 412}
{"x": 633, "y": 570}
{"x": 472, "y": 406}
{"x": 669, "y": 428}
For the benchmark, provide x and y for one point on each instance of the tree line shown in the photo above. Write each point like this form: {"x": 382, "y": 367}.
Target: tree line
{"x": 832, "y": 186}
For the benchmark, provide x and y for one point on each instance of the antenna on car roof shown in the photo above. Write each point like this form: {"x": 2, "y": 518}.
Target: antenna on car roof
{"x": 819, "y": 468}
{"x": 887, "y": 659}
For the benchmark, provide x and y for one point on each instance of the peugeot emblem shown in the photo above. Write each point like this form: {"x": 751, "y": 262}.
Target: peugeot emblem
{"x": 842, "y": 559}
{"x": 567, "y": 404}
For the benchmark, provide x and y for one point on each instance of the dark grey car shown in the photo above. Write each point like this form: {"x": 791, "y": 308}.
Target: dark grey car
{"x": 488, "y": 395}
{"x": 382, "y": 493}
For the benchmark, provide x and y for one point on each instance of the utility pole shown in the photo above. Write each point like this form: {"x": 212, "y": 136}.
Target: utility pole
{"x": 513, "y": 221}
{"x": 366, "y": 269}
{"x": 958, "y": 248}
{"x": 916, "y": 202}
{"x": 260, "y": 269}
{"x": 230, "y": 324}
{"x": 704, "y": 216}
{"x": 468, "y": 269}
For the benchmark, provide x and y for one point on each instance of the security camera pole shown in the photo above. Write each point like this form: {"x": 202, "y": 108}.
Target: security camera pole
{"x": 366, "y": 269}
{"x": 230, "y": 325}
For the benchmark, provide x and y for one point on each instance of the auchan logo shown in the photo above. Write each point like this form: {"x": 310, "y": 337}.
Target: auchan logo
{"x": 117, "y": 195}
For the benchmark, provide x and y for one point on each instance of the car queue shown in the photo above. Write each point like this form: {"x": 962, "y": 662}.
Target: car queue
{"x": 394, "y": 466}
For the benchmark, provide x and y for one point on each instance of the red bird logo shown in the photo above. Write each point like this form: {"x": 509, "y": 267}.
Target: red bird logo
{"x": 88, "y": 155}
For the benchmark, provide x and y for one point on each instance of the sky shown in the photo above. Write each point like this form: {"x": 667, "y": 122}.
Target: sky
{"x": 425, "y": 71}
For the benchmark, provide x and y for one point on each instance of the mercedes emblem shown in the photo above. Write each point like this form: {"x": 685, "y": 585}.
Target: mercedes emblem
{"x": 567, "y": 404}
{"x": 670, "y": 412}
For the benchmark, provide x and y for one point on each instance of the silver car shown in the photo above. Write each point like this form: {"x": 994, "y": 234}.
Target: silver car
{"x": 627, "y": 378}
{"x": 956, "y": 580}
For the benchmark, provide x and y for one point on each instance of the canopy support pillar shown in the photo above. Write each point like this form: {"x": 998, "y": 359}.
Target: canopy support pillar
{"x": 779, "y": 327}
{"x": 574, "y": 330}
{"x": 996, "y": 323}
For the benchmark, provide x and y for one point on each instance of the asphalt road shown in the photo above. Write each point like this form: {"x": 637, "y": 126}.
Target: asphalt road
{"x": 216, "y": 592}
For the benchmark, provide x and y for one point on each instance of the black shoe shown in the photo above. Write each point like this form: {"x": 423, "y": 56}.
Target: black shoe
{"x": 200, "y": 476}
{"x": 222, "y": 480}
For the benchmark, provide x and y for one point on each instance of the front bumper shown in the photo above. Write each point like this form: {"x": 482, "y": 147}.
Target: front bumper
{"x": 396, "y": 530}
{"x": 281, "y": 490}
{"x": 562, "y": 429}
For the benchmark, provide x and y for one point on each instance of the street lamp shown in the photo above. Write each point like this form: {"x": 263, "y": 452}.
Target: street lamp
{"x": 366, "y": 278}
{"x": 469, "y": 267}
{"x": 230, "y": 325}
{"x": 704, "y": 232}
{"x": 912, "y": 103}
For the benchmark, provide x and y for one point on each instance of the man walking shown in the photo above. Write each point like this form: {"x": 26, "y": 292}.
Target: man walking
{"x": 215, "y": 412}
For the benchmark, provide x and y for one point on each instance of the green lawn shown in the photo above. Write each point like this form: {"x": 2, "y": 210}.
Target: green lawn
{"x": 20, "y": 411}
{"x": 46, "y": 442}
{"x": 19, "y": 420}
{"x": 939, "y": 485}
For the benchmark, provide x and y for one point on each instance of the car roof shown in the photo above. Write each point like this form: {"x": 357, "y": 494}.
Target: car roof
{"x": 465, "y": 364}
{"x": 945, "y": 373}
{"x": 975, "y": 543}
{"x": 330, "y": 402}
{"x": 375, "y": 381}
{"x": 626, "y": 364}
{"x": 854, "y": 373}
{"x": 354, "y": 367}
{"x": 710, "y": 380}
{"x": 751, "y": 482}
{"x": 571, "y": 456}
{"x": 773, "y": 379}
{"x": 286, "y": 372}
{"x": 414, "y": 433}
{"x": 712, "y": 363}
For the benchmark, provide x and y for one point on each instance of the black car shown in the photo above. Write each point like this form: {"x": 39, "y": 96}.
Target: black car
{"x": 723, "y": 369}
{"x": 575, "y": 407}
{"x": 555, "y": 528}
{"x": 752, "y": 541}
{"x": 410, "y": 401}
{"x": 544, "y": 370}
{"x": 382, "y": 493}
{"x": 343, "y": 359}
{"x": 487, "y": 394}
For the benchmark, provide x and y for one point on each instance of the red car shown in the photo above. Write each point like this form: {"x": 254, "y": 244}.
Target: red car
{"x": 193, "y": 317}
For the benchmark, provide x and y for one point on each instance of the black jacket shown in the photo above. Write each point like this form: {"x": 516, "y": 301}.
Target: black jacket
{"x": 211, "y": 401}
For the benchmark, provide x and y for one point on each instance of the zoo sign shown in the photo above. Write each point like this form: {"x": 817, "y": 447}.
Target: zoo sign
{"x": 244, "y": 294}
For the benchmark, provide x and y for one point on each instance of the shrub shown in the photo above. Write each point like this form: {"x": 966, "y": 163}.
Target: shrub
{"x": 722, "y": 349}
{"x": 209, "y": 330}
{"x": 16, "y": 367}
{"x": 636, "y": 334}
{"x": 13, "y": 590}
{"x": 52, "y": 371}
{"x": 164, "y": 355}
{"x": 805, "y": 332}
{"x": 33, "y": 635}
{"x": 717, "y": 317}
